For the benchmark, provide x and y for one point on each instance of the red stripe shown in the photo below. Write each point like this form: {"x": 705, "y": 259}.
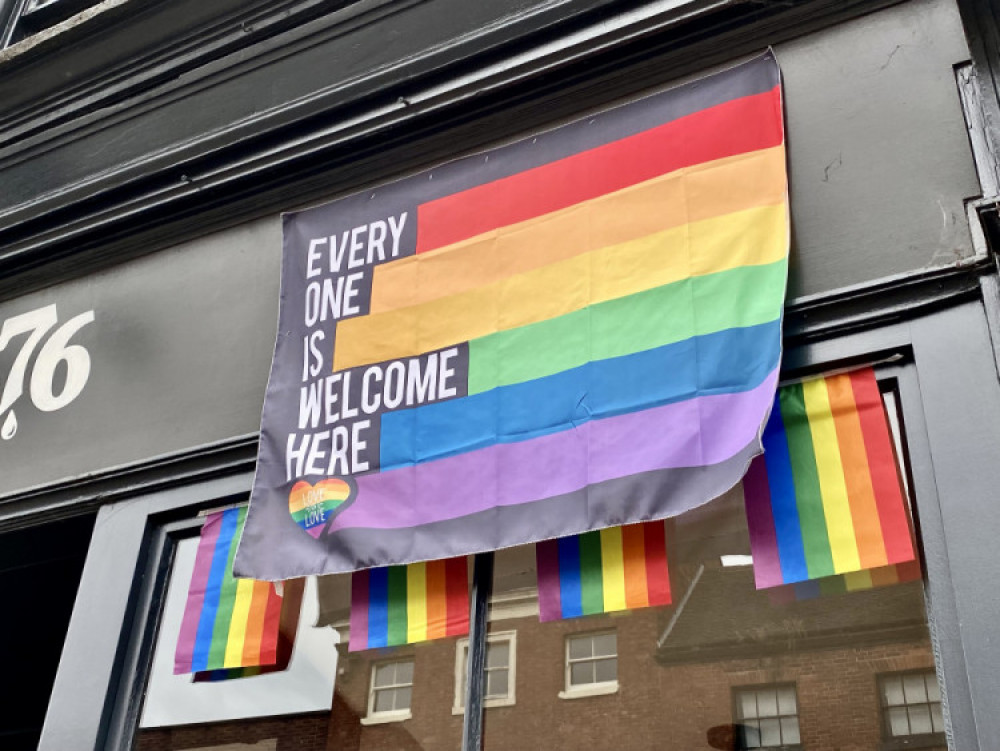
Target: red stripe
{"x": 457, "y": 583}
{"x": 734, "y": 127}
{"x": 657, "y": 576}
{"x": 269, "y": 634}
{"x": 882, "y": 465}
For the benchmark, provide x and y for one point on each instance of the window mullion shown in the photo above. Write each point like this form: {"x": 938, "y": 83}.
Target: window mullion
{"x": 482, "y": 586}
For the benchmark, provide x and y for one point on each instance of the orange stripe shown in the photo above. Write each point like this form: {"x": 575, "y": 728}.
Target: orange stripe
{"x": 255, "y": 623}
{"x": 634, "y": 554}
{"x": 884, "y": 576}
{"x": 437, "y": 600}
{"x": 857, "y": 475}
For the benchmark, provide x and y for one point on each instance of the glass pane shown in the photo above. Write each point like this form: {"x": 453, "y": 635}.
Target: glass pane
{"x": 770, "y": 733}
{"x": 581, "y": 673}
{"x": 496, "y": 683}
{"x": 899, "y": 724}
{"x": 385, "y": 675}
{"x": 920, "y": 720}
{"x": 607, "y": 670}
{"x": 933, "y": 690}
{"x": 581, "y": 646}
{"x": 937, "y": 718}
{"x": 384, "y": 700}
{"x": 748, "y": 704}
{"x": 914, "y": 689}
{"x": 404, "y": 672}
{"x": 892, "y": 688}
{"x": 404, "y": 696}
{"x": 786, "y": 701}
{"x": 751, "y": 735}
{"x": 496, "y": 654}
{"x": 790, "y": 730}
{"x": 767, "y": 704}
{"x": 605, "y": 645}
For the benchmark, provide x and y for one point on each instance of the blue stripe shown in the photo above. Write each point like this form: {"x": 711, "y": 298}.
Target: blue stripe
{"x": 569, "y": 577}
{"x": 723, "y": 362}
{"x": 213, "y": 590}
{"x": 791, "y": 552}
{"x": 378, "y": 607}
{"x": 807, "y": 590}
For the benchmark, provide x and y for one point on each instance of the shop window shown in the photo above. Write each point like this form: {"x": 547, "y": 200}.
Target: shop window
{"x": 767, "y": 717}
{"x": 591, "y": 664}
{"x": 391, "y": 692}
{"x": 501, "y": 653}
{"x": 911, "y": 709}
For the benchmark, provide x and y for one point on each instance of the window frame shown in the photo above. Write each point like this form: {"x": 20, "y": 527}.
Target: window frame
{"x": 739, "y": 739}
{"x": 461, "y": 669}
{"x": 374, "y": 717}
{"x": 934, "y": 739}
{"x": 597, "y": 688}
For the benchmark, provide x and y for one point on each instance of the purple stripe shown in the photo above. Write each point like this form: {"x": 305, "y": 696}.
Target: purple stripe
{"x": 760, "y": 521}
{"x": 549, "y": 600}
{"x": 196, "y": 594}
{"x": 698, "y": 432}
{"x": 359, "y": 611}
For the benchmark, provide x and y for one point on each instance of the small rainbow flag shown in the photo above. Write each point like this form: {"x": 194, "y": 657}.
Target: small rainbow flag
{"x": 619, "y": 568}
{"x": 227, "y": 622}
{"x": 856, "y": 581}
{"x": 826, "y": 496}
{"x": 396, "y": 605}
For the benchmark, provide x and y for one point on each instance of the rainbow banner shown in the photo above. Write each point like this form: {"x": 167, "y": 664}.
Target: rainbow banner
{"x": 619, "y": 568}
{"x": 578, "y": 330}
{"x": 826, "y": 497}
{"x": 232, "y": 623}
{"x": 406, "y": 604}
{"x": 856, "y": 581}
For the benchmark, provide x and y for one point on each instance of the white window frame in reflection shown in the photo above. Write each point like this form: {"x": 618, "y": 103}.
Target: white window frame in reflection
{"x": 461, "y": 655}
{"x": 596, "y": 688}
{"x": 930, "y": 699}
{"x": 739, "y": 692}
{"x": 393, "y": 715}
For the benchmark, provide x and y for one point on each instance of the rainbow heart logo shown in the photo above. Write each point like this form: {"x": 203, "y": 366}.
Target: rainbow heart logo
{"x": 312, "y": 506}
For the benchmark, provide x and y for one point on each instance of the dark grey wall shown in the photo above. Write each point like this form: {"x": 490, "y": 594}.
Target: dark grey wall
{"x": 182, "y": 339}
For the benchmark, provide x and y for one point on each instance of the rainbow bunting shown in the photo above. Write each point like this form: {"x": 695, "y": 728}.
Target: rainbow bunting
{"x": 418, "y": 602}
{"x": 826, "y": 497}
{"x": 856, "y": 581}
{"x": 503, "y": 348}
{"x": 619, "y": 568}
{"x": 227, "y": 622}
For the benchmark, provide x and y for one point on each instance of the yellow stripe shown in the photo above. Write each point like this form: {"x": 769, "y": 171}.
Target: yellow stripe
{"x": 833, "y": 487}
{"x": 751, "y": 237}
{"x": 693, "y": 194}
{"x": 238, "y": 625}
{"x": 613, "y": 569}
{"x": 858, "y": 580}
{"x": 416, "y": 602}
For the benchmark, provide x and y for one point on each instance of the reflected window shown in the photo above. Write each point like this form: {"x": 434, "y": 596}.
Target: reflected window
{"x": 591, "y": 664}
{"x": 911, "y": 705}
{"x": 501, "y": 650}
{"x": 391, "y": 691}
{"x": 767, "y": 717}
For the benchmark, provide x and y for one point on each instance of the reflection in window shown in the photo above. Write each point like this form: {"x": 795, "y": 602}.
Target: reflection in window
{"x": 500, "y": 656}
{"x": 767, "y": 717}
{"x": 591, "y": 661}
{"x": 391, "y": 690}
{"x": 911, "y": 704}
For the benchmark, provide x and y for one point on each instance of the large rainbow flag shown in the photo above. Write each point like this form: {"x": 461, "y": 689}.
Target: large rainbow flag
{"x": 397, "y": 605}
{"x": 618, "y": 568}
{"x": 578, "y": 330}
{"x": 826, "y": 497}
{"x": 232, "y": 624}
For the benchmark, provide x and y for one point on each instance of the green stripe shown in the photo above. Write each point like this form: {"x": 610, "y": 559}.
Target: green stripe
{"x": 749, "y": 295}
{"x": 227, "y": 599}
{"x": 397, "y": 605}
{"x": 832, "y": 585}
{"x": 591, "y": 574}
{"x": 808, "y": 499}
